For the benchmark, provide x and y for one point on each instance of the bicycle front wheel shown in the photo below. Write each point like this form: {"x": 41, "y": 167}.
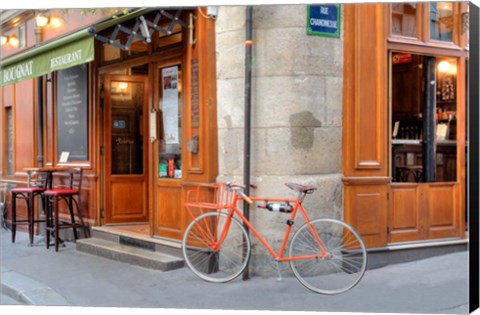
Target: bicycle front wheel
{"x": 210, "y": 258}
{"x": 329, "y": 257}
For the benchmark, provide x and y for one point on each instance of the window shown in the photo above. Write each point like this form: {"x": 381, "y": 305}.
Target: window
{"x": 127, "y": 127}
{"x": 424, "y": 118}
{"x": 21, "y": 36}
{"x": 426, "y": 22}
{"x": 441, "y": 21}
{"x": 404, "y": 19}
{"x": 170, "y": 157}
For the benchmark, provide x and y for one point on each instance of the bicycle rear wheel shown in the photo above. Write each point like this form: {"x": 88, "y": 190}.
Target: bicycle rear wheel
{"x": 343, "y": 265}
{"x": 209, "y": 260}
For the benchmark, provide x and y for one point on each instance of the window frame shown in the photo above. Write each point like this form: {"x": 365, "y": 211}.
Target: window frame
{"x": 423, "y": 45}
{"x": 423, "y": 28}
{"x": 53, "y": 154}
{"x": 7, "y": 170}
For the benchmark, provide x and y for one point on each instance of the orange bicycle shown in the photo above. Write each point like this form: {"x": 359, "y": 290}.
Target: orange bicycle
{"x": 326, "y": 255}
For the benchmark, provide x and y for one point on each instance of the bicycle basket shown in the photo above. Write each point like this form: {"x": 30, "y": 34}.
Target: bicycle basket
{"x": 208, "y": 197}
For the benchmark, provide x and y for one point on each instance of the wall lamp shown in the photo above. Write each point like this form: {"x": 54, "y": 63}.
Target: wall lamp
{"x": 447, "y": 67}
{"x": 444, "y": 66}
{"x": 123, "y": 86}
{"x": 13, "y": 40}
{"x": 41, "y": 20}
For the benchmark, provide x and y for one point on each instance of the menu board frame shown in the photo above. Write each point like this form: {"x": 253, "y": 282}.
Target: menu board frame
{"x": 72, "y": 113}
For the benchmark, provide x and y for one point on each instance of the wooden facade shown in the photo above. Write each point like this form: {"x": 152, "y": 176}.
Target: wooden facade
{"x": 133, "y": 178}
{"x": 385, "y": 210}
{"x": 122, "y": 183}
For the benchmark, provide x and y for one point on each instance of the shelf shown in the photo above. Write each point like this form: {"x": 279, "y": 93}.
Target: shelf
{"x": 447, "y": 142}
{"x": 419, "y": 142}
{"x": 406, "y": 141}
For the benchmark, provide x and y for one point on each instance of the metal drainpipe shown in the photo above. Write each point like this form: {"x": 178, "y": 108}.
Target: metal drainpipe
{"x": 39, "y": 114}
{"x": 473, "y": 153}
{"x": 39, "y": 105}
{"x": 248, "y": 99}
{"x": 39, "y": 123}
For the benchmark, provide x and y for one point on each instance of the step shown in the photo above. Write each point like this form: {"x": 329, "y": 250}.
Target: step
{"x": 129, "y": 254}
{"x": 112, "y": 234}
{"x": 411, "y": 251}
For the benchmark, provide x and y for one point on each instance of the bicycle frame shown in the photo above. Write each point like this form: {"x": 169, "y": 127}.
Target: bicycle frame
{"x": 217, "y": 247}
{"x": 233, "y": 209}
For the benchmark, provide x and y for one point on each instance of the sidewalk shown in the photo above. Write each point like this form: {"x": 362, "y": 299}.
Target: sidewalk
{"x": 35, "y": 275}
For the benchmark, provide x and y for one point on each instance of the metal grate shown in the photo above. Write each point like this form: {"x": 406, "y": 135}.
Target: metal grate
{"x": 143, "y": 29}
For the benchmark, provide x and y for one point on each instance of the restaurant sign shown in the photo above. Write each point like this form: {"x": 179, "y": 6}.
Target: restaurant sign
{"x": 324, "y": 20}
{"x": 75, "y": 53}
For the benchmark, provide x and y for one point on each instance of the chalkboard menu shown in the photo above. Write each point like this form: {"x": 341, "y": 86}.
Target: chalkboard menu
{"x": 72, "y": 112}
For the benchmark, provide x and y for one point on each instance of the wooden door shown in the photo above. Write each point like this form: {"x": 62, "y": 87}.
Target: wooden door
{"x": 126, "y": 149}
{"x": 170, "y": 149}
{"x": 186, "y": 151}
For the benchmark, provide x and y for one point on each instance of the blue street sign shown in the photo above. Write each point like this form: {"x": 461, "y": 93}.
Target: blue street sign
{"x": 324, "y": 20}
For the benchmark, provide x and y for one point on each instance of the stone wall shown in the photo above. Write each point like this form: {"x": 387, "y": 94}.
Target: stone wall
{"x": 296, "y": 112}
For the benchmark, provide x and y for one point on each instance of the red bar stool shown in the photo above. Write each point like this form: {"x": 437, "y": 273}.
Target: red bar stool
{"x": 37, "y": 183}
{"x": 71, "y": 195}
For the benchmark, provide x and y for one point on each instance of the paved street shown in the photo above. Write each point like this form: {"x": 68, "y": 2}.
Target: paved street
{"x": 34, "y": 275}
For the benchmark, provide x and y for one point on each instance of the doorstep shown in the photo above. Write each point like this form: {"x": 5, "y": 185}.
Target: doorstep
{"x": 133, "y": 248}
{"x": 410, "y": 251}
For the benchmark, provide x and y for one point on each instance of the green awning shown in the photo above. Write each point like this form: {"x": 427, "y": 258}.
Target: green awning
{"x": 63, "y": 53}
{"x": 76, "y": 50}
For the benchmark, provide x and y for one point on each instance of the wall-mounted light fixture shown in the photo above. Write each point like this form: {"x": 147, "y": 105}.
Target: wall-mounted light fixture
{"x": 41, "y": 20}
{"x": 444, "y": 66}
{"x": 123, "y": 86}
{"x": 4, "y": 40}
{"x": 119, "y": 88}
{"x": 55, "y": 21}
{"x": 447, "y": 67}
{"x": 13, "y": 40}
{"x": 212, "y": 12}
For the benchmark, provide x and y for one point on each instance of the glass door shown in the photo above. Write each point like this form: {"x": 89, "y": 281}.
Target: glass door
{"x": 126, "y": 149}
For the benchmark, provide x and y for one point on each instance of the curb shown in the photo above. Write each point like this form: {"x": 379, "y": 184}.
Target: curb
{"x": 28, "y": 291}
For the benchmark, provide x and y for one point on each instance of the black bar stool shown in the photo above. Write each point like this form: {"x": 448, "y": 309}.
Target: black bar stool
{"x": 37, "y": 183}
{"x": 71, "y": 195}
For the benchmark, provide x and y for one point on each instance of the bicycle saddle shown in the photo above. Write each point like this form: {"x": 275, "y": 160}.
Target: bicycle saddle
{"x": 301, "y": 188}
